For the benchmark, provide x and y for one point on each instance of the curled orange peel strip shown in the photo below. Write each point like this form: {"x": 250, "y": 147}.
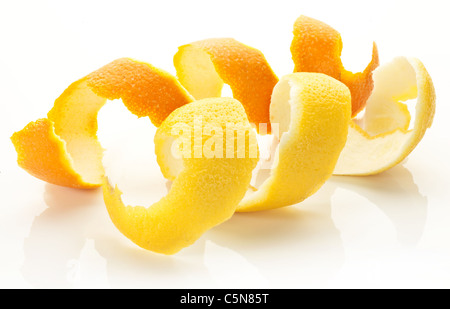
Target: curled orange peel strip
{"x": 204, "y": 66}
{"x": 317, "y": 47}
{"x": 63, "y": 148}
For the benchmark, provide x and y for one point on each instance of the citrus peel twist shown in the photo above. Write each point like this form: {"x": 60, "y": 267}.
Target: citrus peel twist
{"x": 63, "y": 148}
{"x": 205, "y": 190}
{"x": 384, "y": 138}
{"x": 204, "y": 66}
{"x": 312, "y": 108}
{"x": 317, "y": 47}
{"x": 312, "y": 111}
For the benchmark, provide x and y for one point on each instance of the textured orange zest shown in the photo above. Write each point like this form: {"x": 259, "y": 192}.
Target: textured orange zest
{"x": 42, "y": 154}
{"x": 63, "y": 149}
{"x": 144, "y": 89}
{"x": 243, "y": 68}
{"x": 317, "y": 47}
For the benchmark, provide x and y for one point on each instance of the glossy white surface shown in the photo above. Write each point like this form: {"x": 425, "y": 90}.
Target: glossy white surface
{"x": 386, "y": 231}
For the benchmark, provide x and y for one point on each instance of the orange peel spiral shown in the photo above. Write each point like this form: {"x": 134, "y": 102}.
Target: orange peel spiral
{"x": 204, "y": 66}
{"x": 317, "y": 47}
{"x": 63, "y": 149}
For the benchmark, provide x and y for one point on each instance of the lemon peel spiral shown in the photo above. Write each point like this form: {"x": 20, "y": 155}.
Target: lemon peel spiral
{"x": 205, "y": 190}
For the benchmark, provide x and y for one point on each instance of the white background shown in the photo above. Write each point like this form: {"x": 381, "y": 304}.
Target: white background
{"x": 386, "y": 231}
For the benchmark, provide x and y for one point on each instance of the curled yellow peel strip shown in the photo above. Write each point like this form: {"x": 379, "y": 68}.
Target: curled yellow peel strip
{"x": 204, "y": 66}
{"x": 206, "y": 188}
{"x": 63, "y": 148}
{"x": 313, "y": 111}
{"x": 384, "y": 139}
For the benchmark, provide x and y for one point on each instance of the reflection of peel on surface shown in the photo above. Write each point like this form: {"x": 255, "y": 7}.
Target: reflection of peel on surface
{"x": 58, "y": 234}
{"x": 313, "y": 111}
{"x": 304, "y": 240}
{"x": 395, "y": 194}
{"x": 63, "y": 149}
{"x": 205, "y": 191}
{"x": 388, "y": 119}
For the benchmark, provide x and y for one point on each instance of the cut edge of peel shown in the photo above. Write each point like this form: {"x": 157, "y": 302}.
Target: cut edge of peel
{"x": 203, "y": 67}
{"x": 317, "y": 47}
{"x": 75, "y": 155}
{"x": 384, "y": 150}
{"x": 303, "y": 160}
{"x": 185, "y": 213}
